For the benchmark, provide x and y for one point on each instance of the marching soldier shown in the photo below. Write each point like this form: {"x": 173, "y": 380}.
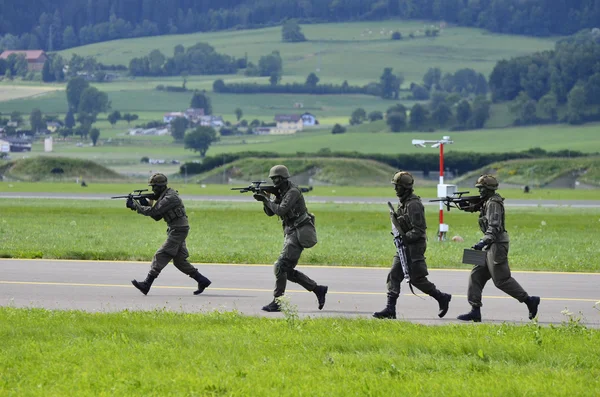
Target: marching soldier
{"x": 495, "y": 242}
{"x": 299, "y": 233}
{"x": 410, "y": 218}
{"x": 168, "y": 206}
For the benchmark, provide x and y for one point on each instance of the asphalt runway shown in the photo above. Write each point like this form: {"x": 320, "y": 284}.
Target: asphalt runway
{"x": 104, "y": 286}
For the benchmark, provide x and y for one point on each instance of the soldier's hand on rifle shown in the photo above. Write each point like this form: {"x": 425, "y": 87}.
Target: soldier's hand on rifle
{"x": 480, "y": 245}
{"x": 129, "y": 204}
{"x": 260, "y": 197}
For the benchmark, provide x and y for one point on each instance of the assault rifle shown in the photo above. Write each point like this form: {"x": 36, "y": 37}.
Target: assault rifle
{"x": 399, "y": 235}
{"x": 464, "y": 203}
{"x": 137, "y": 195}
{"x": 258, "y": 187}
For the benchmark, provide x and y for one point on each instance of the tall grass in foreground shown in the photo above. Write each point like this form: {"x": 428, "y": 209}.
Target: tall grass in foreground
{"x": 46, "y": 353}
{"x": 558, "y": 239}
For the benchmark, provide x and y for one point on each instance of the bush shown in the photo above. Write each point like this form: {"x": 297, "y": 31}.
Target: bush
{"x": 396, "y": 36}
{"x": 338, "y": 129}
{"x": 144, "y": 160}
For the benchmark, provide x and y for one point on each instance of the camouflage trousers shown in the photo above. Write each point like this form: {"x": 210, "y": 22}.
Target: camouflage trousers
{"x": 497, "y": 269}
{"x": 285, "y": 267}
{"x": 415, "y": 254}
{"x": 173, "y": 248}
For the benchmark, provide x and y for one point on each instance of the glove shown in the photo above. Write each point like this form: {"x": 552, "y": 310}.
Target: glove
{"x": 130, "y": 204}
{"x": 260, "y": 197}
{"x": 480, "y": 245}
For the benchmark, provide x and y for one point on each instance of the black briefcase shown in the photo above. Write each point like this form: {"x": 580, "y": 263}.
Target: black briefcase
{"x": 474, "y": 257}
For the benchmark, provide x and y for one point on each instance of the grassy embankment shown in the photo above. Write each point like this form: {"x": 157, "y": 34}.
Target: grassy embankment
{"x": 332, "y": 171}
{"x": 165, "y": 353}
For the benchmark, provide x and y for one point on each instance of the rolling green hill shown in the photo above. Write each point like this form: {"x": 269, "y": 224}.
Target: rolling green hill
{"x": 356, "y": 51}
{"x": 47, "y": 169}
{"x": 334, "y": 171}
{"x": 556, "y": 172}
{"x": 335, "y": 52}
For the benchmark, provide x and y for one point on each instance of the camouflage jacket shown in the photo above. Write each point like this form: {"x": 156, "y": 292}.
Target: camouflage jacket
{"x": 289, "y": 206}
{"x": 168, "y": 207}
{"x": 491, "y": 220}
{"x": 412, "y": 212}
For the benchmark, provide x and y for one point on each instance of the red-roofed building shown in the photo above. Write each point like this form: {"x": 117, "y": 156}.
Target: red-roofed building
{"x": 35, "y": 58}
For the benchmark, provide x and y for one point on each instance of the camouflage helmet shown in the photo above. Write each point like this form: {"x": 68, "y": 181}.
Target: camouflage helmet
{"x": 404, "y": 179}
{"x": 487, "y": 181}
{"x": 158, "y": 179}
{"x": 279, "y": 170}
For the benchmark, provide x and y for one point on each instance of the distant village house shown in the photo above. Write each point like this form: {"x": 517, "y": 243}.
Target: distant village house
{"x": 193, "y": 114}
{"x": 35, "y": 58}
{"x": 212, "y": 121}
{"x": 309, "y": 120}
{"x": 168, "y": 117}
{"x": 287, "y": 124}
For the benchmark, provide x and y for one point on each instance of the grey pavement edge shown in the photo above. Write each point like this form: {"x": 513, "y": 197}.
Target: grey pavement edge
{"x": 104, "y": 286}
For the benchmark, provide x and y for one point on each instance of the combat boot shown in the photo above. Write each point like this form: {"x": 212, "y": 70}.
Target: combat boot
{"x": 443, "y": 301}
{"x": 321, "y": 291}
{"x": 390, "y": 309}
{"x": 203, "y": 282}
{"x": 145, "y": 285}
{"x": 272, "y": 307}
{"x": 532, "y": 303}
{"x": 474, "y": 315}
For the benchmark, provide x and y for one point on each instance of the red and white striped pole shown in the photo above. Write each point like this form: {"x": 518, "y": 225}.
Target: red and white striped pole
{"x": 441, "y": 232}
{"x": 443, "y": 189}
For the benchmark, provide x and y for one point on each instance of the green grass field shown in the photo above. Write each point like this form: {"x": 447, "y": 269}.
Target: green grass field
{"x": 344, "y": 51}
{"x": 123, "y": 153}
{"x": 555, "y": 239}
{"x": 52, "y": 353}
{"x": 127, "y": 186}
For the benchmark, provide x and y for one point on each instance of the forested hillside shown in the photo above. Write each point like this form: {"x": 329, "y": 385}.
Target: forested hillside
{"x": 58, "y": 24}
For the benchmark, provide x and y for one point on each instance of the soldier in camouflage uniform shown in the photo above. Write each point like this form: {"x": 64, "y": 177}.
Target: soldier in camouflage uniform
{"x": 299, "y": 231}
{"x": 411, "y": 217}
{"x": 495, "y": 242}
{"x": 168, "y": 206}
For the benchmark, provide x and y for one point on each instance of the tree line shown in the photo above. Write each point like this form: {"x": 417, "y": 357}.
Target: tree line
{"x": 200, "y": 58}
{"x": 539, "y": 83}
{"x": 59, "y": 24}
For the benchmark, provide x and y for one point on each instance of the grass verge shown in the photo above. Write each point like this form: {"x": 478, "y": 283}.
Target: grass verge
{"x": 226, "y": 354}
{"x": 553, "y": 239}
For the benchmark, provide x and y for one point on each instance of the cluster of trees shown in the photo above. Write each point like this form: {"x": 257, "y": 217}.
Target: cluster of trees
{"x": 444, "y": 110}
{"x": 84, "y": 104}
{"x": 291, "y": 32}
{"x": 268, "y": 65}
{"x": 56, "y": 68}
{"x": 539, "y": 83}
{"x": 37, "y": 122}
{"x": 14, "y": 65}
{"x": 58, "y": 24}
{"x": 311, "y": 86}
{"x": 200, "y": 58}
